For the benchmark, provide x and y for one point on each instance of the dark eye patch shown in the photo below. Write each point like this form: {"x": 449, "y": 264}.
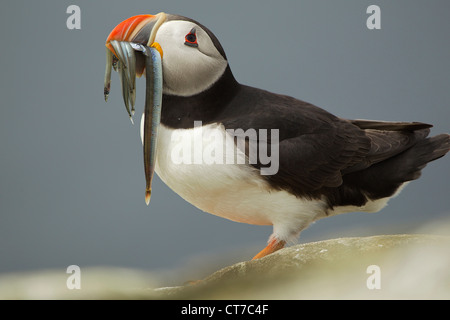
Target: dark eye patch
{"x": 191, "y": 39}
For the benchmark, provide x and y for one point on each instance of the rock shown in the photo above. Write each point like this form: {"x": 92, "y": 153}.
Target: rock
{"x": 409, "y": 267}
{"x": 404, "y": 267}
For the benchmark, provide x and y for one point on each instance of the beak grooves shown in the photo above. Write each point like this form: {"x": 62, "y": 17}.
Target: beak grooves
{"x": 127, "y": 29}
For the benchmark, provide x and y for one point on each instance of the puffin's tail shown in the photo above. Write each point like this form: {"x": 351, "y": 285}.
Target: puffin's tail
{"x": 400, "y": 150}
{"x": 413, "y": 160}
{"x": 383, "y": 179}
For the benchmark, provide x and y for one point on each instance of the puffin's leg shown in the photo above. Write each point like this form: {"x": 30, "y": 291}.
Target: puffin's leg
{"x": 273, "y": 245}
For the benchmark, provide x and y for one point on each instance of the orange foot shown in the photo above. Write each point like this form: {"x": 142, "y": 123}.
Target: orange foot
{"x": 272, "y": 246}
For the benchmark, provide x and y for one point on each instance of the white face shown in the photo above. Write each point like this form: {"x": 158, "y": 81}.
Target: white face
{"x": 188, "y": 70}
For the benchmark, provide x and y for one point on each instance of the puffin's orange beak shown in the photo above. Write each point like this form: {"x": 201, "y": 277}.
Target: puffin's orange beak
{"x": 131, "y": 49}
{"x": 138, "y": 29}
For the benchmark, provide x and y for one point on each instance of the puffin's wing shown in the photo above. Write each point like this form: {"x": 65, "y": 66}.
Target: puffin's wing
{"x": 322, "y": 157}
{"x": 311, "y": 161}
{"x": 316, "y": 148}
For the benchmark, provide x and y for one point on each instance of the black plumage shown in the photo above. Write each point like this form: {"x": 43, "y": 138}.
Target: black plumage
{"x": 347, "y": 162}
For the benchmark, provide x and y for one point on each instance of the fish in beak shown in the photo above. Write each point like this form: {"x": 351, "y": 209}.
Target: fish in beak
{"x": 131, "y": 50}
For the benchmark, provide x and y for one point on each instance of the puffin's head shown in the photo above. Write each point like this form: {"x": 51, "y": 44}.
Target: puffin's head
{"x": 179, "y": 56}
{"x": 192, "y": 57}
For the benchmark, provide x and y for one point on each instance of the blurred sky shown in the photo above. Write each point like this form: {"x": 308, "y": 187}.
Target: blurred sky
{"x": 71, "y": 171}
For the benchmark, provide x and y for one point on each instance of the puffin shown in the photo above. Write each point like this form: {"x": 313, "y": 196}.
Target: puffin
{"x": 250, "y": 155}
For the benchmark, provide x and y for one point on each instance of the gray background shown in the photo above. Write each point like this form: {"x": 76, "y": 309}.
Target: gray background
{"x": 71, "y": 172}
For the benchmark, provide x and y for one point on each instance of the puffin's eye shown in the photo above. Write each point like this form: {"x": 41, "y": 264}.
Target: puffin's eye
{"x": 191, "y": 39}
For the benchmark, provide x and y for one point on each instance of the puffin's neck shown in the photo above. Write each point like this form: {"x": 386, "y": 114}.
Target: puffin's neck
{"x": 180, "y": 112}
